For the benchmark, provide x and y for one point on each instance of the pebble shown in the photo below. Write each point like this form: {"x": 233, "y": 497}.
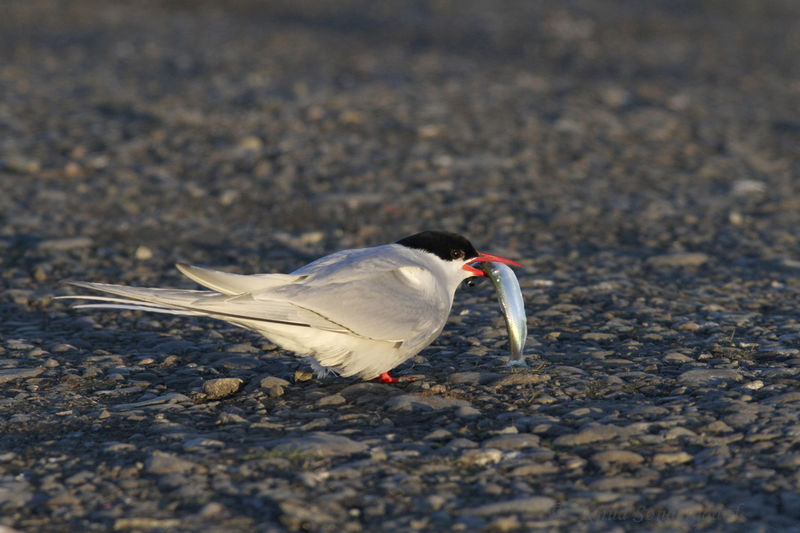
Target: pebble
{"x": 330, "y": 400}
{"x": 671, "y": 458}
{"x": 680, "y": 260}
{"x": 512, "y": 442}
{"x": 13, "y": 374}
{"x": 708, "y": 376}
{"x": 621, "y": 457}
{"x": 481, "y": 457}
{"x": 221, "y": 387}
{"x": 472, "y": 378}
{"x": 166, "y": 463}
{"x": 318, "y": 444}
{"x": 532, "y": 505}
{"x": 14, "y": 493}
{"x": 65, "y": 244}
{"x": 593, "y": 433}
{"x": 412, "y": 402}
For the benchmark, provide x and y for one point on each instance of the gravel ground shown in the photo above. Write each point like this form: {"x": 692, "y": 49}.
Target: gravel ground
{"x": 640, "y": 159}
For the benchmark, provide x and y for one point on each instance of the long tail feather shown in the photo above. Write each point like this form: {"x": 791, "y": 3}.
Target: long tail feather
{"x": 238, "y": 309}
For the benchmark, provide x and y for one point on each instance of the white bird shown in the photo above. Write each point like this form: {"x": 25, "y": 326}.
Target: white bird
{"x": 355, "y": 312}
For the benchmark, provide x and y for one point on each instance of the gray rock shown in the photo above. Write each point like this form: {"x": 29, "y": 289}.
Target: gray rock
{"x": 169, "y": 398}
{"x": 14, "y": 493}
{"x": 512, "y": 442}
{"x": 708, "y": 376}
{"x": 166, "y": 463}
{"x": 472, "y": 378}
{"x": 330, "y": 400}
{"x": 521, "y": 378}
{"x": 273, "y": 381}
{"x": 671, "y": 458}
{"x": 593, "y": 433}
{"x": 12, "y": 374}
{"x": 65, "y": 244}
{"x": 537, "y": 505}
{"x": 619, "y": 457}
{"x": 411, "y": 402}
{"x": 221, "y": 387}
{"x": 680, "y": 260}
{"x": 318, "y": 444}
{"x": 357, "y": 390}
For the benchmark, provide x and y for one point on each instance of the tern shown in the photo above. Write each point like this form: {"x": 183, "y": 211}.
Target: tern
{"x": 358, "y": 312}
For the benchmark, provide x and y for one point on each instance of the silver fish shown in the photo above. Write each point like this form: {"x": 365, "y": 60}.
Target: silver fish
{"x": 510, "y": 297}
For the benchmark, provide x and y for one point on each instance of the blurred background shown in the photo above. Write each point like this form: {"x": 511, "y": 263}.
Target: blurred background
{"x": 267, "y": 133}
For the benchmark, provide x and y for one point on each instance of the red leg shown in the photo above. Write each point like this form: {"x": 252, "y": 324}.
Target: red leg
{"x": 386, "y": 378}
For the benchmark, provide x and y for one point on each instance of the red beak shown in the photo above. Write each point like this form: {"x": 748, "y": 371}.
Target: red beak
{"x": 487, "y": 258}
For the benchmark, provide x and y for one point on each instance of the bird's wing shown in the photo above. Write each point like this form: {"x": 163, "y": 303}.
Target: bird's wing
{"x": 236, "y": 308}
{"x": 402, "y": 304}
{"x": 228, "y": 283}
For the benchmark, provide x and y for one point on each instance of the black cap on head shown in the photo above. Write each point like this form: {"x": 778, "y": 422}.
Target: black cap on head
{"x": 443, "y": 244}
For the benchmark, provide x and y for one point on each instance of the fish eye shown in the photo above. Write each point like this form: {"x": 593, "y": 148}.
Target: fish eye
{"x": 457, "y": 253}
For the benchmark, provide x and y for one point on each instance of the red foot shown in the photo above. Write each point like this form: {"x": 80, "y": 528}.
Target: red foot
{"x": 386, "y": 378}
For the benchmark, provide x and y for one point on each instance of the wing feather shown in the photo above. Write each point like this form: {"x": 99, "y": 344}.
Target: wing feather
{"x": 228, "y": 283}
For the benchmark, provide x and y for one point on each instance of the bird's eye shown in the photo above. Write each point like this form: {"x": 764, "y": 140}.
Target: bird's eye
{"x": 455, "y": 253}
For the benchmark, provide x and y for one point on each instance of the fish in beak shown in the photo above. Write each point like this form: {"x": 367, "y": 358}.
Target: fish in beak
{"x": 512, "y": 305}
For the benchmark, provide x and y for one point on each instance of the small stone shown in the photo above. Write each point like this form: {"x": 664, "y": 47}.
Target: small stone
{"x": 412, "y": 402}
{"x": 594, "y": 433}
{"x": 624, "y": 457}
{"x": 677, "y": 358}
{"x": 438, "y": 434}
{"x": 481, "y": 457}
{"x": 618, "y": 483}
{"x": 245, "y": 347}
{"x": 680, "y": 260}
{"x": 169, "y": 398}
{"x": 167, "y": 463}
{"x": 534, "y": 469}
{"x": 64, "y": 245}
{"x": 202, "y": 443}
{"x": 271, "y": 381}
{"x": 14, "y": 493}
{"x": 230, "y": 418}
{"x": 708, "y": 376}
{"x": 521, "y": 378}
{"x": 718, "y": 426}
{"x": 320, "y": 444}
{"x": 143, "y": 253}
{"x": 672, "y": 458}
{"x": 532, "y": 505}
{"x": 221, "y": 387}
{"x": 146, "y": 523}
{"x": 212, "y": 510}
{"x": 503, "y": 524}
{"x": 791, "y": 461}
{"x": 512, "y": 442}
{"x": 331, "y": 400}
{"x": 599, "y": 337}
{"x": 12, "y": 374}
{"x": 250, "y": 143}
{"x": 754, "y": 385}
{"x": 302, "y": 375}
{"x": 117, "y": 447}
{"x": 472, "y": 378}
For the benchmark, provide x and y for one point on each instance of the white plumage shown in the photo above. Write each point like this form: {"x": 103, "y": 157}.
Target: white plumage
{"x": 357, "y": 312}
